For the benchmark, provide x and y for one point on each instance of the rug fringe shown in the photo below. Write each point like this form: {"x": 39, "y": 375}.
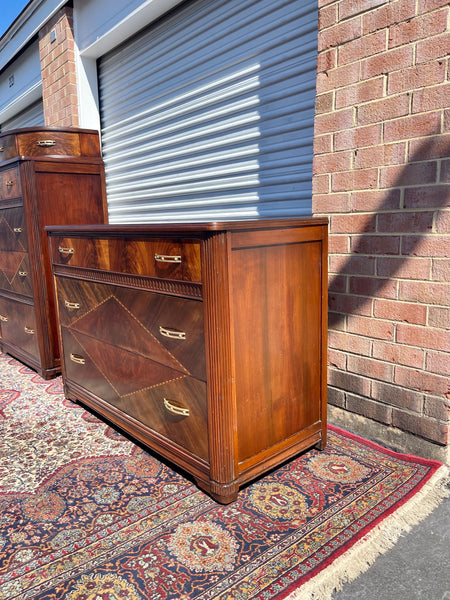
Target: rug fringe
{"x": 379, "y": 540}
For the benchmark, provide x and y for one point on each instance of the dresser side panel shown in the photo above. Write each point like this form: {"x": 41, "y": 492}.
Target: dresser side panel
{"x": 277, "y": 324}
{"x": 56, "y": 194}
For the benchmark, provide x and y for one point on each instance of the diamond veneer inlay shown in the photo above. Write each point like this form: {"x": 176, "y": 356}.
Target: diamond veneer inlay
{"x": 12, "y": 252}
{"x": 113, "y": 324}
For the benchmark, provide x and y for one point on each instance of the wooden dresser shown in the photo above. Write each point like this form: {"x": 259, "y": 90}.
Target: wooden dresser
{"x": 206, "y": 342}
{"x": 47, "y": 176}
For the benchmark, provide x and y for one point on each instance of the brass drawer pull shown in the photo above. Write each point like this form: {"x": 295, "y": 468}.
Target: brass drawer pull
{"x": 167, "y": 258}
{"x": 9, "y": 183}
{"x": 2, "y": 148}
{"x": 176, "y": 408}
{"x": 77, "y": 359}
{"x": 29, "y": 330}
{"x": 23, "y": 273}
{"x": 18, "y": 229}
{"x": 68, "y": 304}
{"x": 172, "y": 333}
{"x": 66, "y": 251}
{"x": 3, "y": 318}
{"x": 45, "y": 143}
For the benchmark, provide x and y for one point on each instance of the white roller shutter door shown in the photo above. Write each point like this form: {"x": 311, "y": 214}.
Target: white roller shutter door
{"x": 208, "y": 114}
{"x": 33, "y": 116}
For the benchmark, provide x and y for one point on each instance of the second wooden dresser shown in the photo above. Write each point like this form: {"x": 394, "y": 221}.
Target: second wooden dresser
{"x": 47, "y": 176}
{"x": 206, "y": 342}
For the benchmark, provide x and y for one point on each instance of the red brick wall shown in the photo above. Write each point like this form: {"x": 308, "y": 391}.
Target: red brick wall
{"x": 59, "y": 89}
{"x": 382, "y": 175}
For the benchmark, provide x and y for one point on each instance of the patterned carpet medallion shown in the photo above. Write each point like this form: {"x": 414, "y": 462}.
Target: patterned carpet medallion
{"x": 87, "y": 515}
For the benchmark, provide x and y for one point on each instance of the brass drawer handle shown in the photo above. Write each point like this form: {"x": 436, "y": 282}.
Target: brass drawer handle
{"x": 2, "y": 148}
{"x": 172, "y": 333}
{"x": 45, "y": 143}
{"x": 66, "y": 251}
{"x": 3, "y": 318}
{"x": 9, "y": 183}
{"x": 18, "y": 230}
{"x": 77, "y": 359}
{"x": 68, "y": 304}
{"x": 176, "y": 408}
{"x": 167, "y": 258}
{"x": 23, "y": 273}
{"x": 29, "y": 330}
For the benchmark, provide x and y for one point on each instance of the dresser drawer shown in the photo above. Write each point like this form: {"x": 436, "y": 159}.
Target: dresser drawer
{"x": 10, "y": 185}
{"x": 8, "y": 147}
{"x": 15, "y": 275}
{"x": 159, "y": 257}
{"x": 165, "y": 329}
{"x": 36, "y": 142}
{"x": 13, "y": 234}
{"x": 18, "y": 325}
{"x": 159, "y": 397}
{"x": 81, "y": 252}
{"x": 14, "y": 260}
{"x": 46, "y": 143}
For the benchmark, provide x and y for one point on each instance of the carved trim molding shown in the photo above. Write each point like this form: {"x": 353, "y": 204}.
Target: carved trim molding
{"x": 172, "y": 287}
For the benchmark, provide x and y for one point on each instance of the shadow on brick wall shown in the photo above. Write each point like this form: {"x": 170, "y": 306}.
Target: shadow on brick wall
{"x": 395, "y": 231}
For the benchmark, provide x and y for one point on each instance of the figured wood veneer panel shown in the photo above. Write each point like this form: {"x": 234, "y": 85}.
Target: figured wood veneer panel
{"x": 13, "y": 235}
{"x": 276, "y": 312}
{"x": 137, "y": 387}
{"x": 65, "y": 143}
{"x": 10, "y": 184}
{"x": 147, "y": 406}
{"x": 12, "y": 252}
{"x": 21, "y": 281}
{"x": 81, "y": 297}
{"x": 88, "y": 253}
{"x": 132, "y": 319}
{"x": 20, "y": 329}
{"x": 133, "y": 256}
{"x": 8, "y": 143}
{"x": 112, "y": 323}
{"x": 174, "y": 314}
{"x": 9, "y": 265}
{"x": 138, "y": 257}
{"x": 9, "y": 241}
{"x": 88, "y": 374}
{"x": 73, "y": 192}
{"x": 14, "y": 261}
{"x": 51, "y": 143}
{"x": 125, "y": 371}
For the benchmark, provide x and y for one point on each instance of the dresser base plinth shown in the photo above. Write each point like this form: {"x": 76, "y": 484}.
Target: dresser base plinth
{"x": 30, "y": 362}
{"x": 223, "y": 493}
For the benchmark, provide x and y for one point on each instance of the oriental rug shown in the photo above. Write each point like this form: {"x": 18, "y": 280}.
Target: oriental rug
{"x": 85, "y": 514}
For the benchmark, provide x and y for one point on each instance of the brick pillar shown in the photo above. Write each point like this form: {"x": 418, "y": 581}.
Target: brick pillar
{"x": 382, "y": 175}
{"x": 59, "y": 89}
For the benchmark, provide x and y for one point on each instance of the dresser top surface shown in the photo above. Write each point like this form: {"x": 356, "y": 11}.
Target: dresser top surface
{"x": 45, "y": 129}
{"x": 182, "y": 228}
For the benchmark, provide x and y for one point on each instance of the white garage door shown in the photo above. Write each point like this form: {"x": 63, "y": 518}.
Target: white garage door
{"x": 208, "y": 114}
{"x": 33, "y": 116}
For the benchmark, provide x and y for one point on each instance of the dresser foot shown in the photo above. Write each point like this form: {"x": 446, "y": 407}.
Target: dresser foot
{"x": 322, "y": 444}
{"x": 220, "y": 492}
